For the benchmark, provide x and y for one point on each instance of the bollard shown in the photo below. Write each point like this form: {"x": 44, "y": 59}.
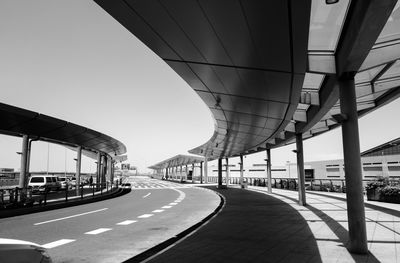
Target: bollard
{"x": 66, "y": 194}
{"x": 45, "y": 197}
{"x": 107, "y": 186}
{"x": 81, "y": 191}
{"x": 93, "y": 190}
{"x": 16, "y": 195}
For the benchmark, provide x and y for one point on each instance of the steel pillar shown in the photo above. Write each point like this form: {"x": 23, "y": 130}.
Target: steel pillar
{"x": 227, "y": 172}
{"x": 78, "y": 169}
{"x": 192, "y": 172}
{"x": 241, "y": 170}
{"x": 300, "y": 168}
{"x": 98, "y": 172}
{"x": 219, "y": 172}
{"x": 201, "y": 172}
{"x": 352, "y": 162}
{"x": 23, "y": 178}
{"x": 269, "y": 174}
{"x": 206, "y": 170}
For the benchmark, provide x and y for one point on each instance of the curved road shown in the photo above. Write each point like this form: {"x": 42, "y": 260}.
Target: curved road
{"x": 116, "y": 229}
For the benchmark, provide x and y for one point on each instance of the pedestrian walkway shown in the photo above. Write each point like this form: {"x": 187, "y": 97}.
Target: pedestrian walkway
{"x": 258, "y": 227}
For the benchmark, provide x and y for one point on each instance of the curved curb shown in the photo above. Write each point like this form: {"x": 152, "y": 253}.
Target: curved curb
{"x": 167, "y": 244}
{"x": 61, "y": 204}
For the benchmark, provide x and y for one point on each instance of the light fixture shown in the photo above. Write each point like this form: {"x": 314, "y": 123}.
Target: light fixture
{"x": 330, "y": 2}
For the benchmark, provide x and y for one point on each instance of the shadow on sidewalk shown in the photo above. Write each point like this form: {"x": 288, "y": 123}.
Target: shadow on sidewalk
{"x": 338, "y": 229}
{"x": 252, "y": 227}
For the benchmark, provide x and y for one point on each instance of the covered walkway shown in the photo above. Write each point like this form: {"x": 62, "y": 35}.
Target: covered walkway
{"x": 260, "y": 227}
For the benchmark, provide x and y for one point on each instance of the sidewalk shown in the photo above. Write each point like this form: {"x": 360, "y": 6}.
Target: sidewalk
{"x": 257, "y": 227}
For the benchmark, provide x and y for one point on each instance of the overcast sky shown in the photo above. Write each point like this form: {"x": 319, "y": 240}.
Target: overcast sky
{"x": 69, "y": 59}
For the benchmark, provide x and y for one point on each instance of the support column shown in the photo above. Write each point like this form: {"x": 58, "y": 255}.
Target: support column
{"x": 300, "y": 168}
{"x": 193, "y": 173}
{"x": 201, "y": 172}
{"x": 186, "y": 172}
{"x": 78, "y": 169}
{"x": 269, "y": 174}
{"x": 98, "y": 170}
{"x": 23, "y": 180}
{"x": 180, "y": 174}
{"x": 112, "y": 172}
{"x": 227, "y": 172}
{"x": 103, "y": 171}
{"x": 219, "y": 172}
{"x": 206, "y": 170}
{"x": 352, "y": 162}
{"x": 241, "y": 171}
{"x": 109, "y": 168}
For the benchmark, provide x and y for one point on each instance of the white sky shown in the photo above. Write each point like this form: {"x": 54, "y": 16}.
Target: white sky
{"x": 69, "y": 59}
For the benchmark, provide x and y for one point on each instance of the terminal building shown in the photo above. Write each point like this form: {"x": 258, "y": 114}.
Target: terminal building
{"x": 380, "y": 161}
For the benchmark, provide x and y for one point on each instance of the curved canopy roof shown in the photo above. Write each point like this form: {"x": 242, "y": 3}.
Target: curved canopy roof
{"x": 17, "y": 121}
{"x": 270, "y": 69}
{"x": 177, "y": 160}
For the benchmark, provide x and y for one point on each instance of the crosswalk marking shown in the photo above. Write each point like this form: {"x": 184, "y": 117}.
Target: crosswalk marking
{"x": 126, "y": 222}
{"x": 98, "y": 231}
{"x": 58, "y": 243}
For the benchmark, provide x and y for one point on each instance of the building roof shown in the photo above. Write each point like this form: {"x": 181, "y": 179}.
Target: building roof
{"x": 17, "y": 122}
{"x": 177, "y": 160}
{"x": 388, "y": 148}
{"x": 270, "y": 69}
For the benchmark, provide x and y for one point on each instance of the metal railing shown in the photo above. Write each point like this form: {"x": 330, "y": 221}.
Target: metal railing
{"x": 15, "y": 197}
{"x": 326, "y": 185}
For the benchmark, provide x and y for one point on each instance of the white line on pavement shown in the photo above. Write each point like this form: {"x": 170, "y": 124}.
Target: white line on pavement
{"x": 173, "y": 203}
{"x": 158, "y": 211}
{"x": 58, "y": 243}
{"x": 62, "y": 218}
{"x": 126, "y": 222}
{"x": 98, "y": 231}
{"x": 166, "y": 206}
{"x": 145, "y": 216}
{"x": 147, "y": 195}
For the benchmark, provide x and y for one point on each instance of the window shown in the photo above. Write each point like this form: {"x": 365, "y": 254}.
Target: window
{"x": 37, "y": 180}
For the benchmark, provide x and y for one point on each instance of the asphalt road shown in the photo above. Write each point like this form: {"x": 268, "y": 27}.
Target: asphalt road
{"x": 116, "y": 229}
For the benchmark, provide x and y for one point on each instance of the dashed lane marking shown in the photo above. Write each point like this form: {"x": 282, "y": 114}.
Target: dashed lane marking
{"x": 58, "y": 243}
{"x": 158, "y": 211}
{"x": 173, "y": 203}
{"x": 98, "y": 231}
{"x": 145, "y": 216}
{"x": 126, "y": 222}
{"x": 146, "y": 195}
{"x": 67, "y": 217}
{"x": 166, "y": 206}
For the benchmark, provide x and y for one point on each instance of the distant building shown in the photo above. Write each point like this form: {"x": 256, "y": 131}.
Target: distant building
{"x": 383, "y": 160}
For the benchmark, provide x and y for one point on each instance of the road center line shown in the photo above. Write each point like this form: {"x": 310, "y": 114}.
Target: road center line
{"x": 67, "y": 217}
{"x": 58, "y": 243}
{"x": 146, "y": 195}
{"x": 145, "y": 216}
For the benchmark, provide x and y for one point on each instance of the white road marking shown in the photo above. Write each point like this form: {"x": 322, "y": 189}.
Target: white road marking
{"x": 158, "y": 211}
{"x": 126, "y": 222}
{"x": 98, "y": 231}
{"x": 173, "y": 203}
{"x": 62, "y": 218}
{"x": 147, "y": 195}
{"x": 145, "y": 216}
{"x": 166, "y": 206}
{"x": 58, "y": 243}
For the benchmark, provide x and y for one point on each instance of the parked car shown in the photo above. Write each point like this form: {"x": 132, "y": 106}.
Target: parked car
{"x": 44, "y": 183}
{"x": 64, "y": 182}
{"x": 73, "y": 181}
{"x": 13, "y": 250}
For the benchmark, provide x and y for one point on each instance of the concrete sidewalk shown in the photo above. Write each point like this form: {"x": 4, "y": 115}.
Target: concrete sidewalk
{"x": 257, "y": 227}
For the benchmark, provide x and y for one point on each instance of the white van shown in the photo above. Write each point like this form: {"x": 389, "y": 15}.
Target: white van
{"x": 44, "y": 183}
